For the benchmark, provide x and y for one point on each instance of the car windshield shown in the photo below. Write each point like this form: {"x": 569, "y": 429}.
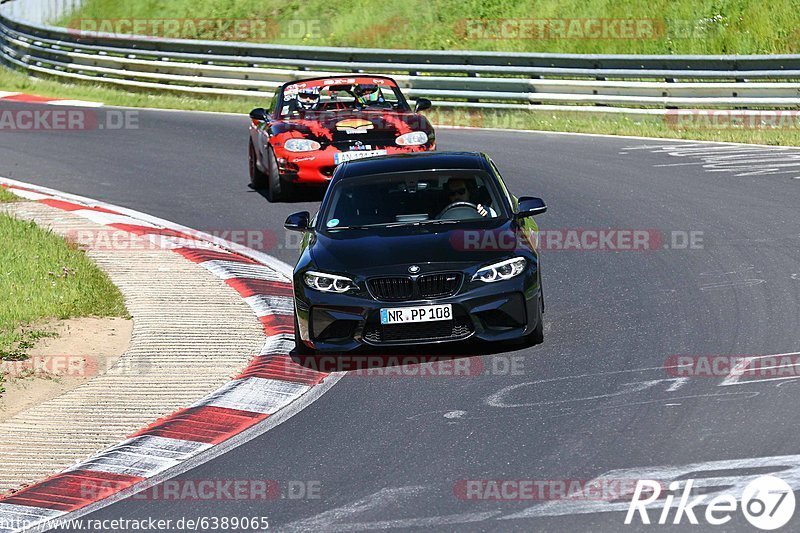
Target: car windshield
{"x": 412, "y": 198}
{"x": 341, "y": 94}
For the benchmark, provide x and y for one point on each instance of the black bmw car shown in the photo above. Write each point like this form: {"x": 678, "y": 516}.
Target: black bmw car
{"x": 417, "y": 249}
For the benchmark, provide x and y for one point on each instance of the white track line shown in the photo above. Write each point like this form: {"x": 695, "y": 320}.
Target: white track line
{"x": 75, "y": 103}
{"x": 235, "y": 269}
{"x": 143, "y": 456}
{"x": 257, "y": 395}
{"x": 263, "y": 305}
{"x": 741, "y": 368}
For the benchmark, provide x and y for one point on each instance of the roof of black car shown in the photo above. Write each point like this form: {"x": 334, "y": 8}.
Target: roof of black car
{"x": 412, "y": 162}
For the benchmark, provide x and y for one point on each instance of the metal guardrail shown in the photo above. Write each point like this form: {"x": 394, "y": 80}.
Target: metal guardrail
{"x": 611, "y": 83}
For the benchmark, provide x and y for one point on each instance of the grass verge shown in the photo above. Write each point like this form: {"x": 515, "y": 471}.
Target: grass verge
{"x": 44, "y": 277}
{"x": 559, "y": 26}
{"x": 6, "y": 197}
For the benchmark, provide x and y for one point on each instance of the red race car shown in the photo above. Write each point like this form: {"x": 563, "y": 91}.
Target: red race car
{"x": 315, "y": 124}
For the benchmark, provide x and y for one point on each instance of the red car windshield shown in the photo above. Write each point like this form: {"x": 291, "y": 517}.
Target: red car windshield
{"x": 341, "y": 94}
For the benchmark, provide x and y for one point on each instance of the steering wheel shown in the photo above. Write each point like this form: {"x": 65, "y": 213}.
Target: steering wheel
{"x": 459, "y": 210}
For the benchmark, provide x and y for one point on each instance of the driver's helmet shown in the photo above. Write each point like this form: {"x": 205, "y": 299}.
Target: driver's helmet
{"x": 368, "y": 93}
{"x": 308, "y": 98}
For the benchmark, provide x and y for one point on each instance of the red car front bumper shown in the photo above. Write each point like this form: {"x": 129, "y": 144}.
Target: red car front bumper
{"x": 316, "y": 168}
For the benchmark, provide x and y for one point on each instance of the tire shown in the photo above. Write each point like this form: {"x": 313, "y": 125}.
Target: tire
{"x": 537, "y": 335}
{"x": 277, "y": 189}
{"x": 258, "y": 180}
{"x": 534, "y": 337}
{"x": 300, "y": 347}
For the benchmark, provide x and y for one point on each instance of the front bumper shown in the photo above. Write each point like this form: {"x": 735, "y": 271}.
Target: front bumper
{"x": 500, "y": 311}
{"x": 316, "y": 168}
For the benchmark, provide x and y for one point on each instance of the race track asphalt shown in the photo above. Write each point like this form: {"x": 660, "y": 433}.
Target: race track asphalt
{"x": 389, "y": 452}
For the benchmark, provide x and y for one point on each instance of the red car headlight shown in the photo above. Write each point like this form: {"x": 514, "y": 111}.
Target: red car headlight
{"x": 301, "y": 145}
{"x": 415, "y": 138}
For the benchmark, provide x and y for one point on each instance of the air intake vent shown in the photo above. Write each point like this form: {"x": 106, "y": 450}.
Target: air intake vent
{"x": 439, "y": 285}
{"x": 391, "y": 289}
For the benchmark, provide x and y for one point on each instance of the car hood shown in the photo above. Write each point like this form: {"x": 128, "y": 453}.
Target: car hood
{"x": 351, "y": 126}
{"x": 376, "y": 249}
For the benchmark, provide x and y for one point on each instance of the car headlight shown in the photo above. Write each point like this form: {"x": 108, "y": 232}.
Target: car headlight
{"x": 501, "y": 271}
{"x": 328, "y": 282}
{"x": 301, "y": 145}
{"x": 415, "y": 138}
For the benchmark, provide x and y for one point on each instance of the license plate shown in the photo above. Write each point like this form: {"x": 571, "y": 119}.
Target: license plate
{"x": 425, "y": 313}
{"x": 341, "y": 157}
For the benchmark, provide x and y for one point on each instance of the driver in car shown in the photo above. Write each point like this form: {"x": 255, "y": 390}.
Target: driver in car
{"x": 458, "y": 190}
{"x": 307, "y": 100}
{"x": 368, "y": 95}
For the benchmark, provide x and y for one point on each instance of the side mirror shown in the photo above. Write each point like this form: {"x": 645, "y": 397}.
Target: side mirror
{"x": 530, "y": 206}
{"x": 422, "y": 105}
{"x": 297, "y": 221}
{"x": 259, "y": 113}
